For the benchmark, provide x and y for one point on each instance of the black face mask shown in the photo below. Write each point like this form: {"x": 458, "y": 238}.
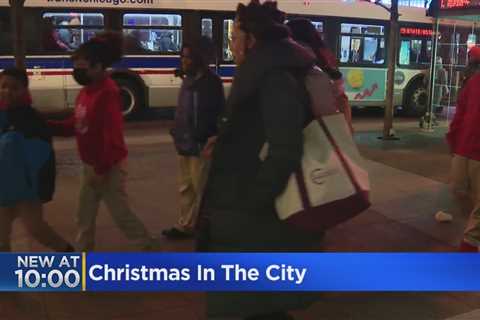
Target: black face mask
{"x": 80, "y": 75}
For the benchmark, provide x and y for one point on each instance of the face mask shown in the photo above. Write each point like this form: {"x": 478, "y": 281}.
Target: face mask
{"x": 80, "y": 75}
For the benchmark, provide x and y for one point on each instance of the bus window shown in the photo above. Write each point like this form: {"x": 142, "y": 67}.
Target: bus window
{"x": 362, "y": 44}
{"x": 152, "y": 33}
{"x": 404, "y": 57}
{"x": 415, "y": 53}
{"x": 67, "y": 31}
{"x": 207, "y": 28}
{"x": 471, "y": 41}
{"x": 5, "y": 36}
{"x": 149, "y": 20}
{"x": 318, "y": 25}
{"x": 227, "y": 38}
{"x": 370, "y": 49}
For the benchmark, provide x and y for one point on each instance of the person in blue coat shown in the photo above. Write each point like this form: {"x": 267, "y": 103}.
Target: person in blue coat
{"x": 27, "y": 164}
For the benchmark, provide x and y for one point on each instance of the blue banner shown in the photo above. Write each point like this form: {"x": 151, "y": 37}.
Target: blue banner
{"x": 240, "y": 272}
{"x": 40, "y": 272}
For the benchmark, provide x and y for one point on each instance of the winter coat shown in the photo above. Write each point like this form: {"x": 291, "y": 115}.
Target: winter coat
{"x": 464, "y": 134}
{"x": 200, "y": 102}
{"x": 267, "y": 103}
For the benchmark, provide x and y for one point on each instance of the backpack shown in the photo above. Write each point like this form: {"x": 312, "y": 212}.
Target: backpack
{"x": 20, "y": 162}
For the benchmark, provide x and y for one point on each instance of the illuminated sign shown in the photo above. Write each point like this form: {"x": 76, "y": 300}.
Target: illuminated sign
{"x": 416, "y": 32}
{"x": 459, "y": 4}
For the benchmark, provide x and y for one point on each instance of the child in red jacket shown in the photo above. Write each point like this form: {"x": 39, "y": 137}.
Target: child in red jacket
{"x": 464, "y": 141}
{"x": 97, "y": 124}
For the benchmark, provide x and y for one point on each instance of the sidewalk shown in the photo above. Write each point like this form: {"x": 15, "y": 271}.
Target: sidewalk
{"x": 408, "y": 187}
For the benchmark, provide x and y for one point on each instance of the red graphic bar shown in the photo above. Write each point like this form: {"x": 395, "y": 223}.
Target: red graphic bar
{"x": 459, "y": 4}
{"x": 366, "y": 93}
{"x": 416, "y": 32}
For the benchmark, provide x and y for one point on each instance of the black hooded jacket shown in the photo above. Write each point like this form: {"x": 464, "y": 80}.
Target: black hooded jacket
{"x": 267, "y": 103}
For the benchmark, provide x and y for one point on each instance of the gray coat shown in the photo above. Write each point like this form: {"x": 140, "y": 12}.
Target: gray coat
{"x": 266, "y": 103}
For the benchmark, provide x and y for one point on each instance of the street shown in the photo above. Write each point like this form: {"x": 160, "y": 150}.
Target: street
{"x": 409, "y": 185}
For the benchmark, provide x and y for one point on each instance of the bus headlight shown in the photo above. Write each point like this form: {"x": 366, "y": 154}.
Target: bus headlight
{"x": 399, "y": 77}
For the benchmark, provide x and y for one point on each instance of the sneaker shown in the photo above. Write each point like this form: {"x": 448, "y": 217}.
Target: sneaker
{"x": 174, "y": 233}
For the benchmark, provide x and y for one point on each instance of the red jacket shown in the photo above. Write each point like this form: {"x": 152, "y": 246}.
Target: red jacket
{"x": 464, "y": 134}
{"x": 97, "y": 124}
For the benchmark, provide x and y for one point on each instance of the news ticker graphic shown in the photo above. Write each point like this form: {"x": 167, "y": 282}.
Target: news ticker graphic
{"x": 240, "y": 272}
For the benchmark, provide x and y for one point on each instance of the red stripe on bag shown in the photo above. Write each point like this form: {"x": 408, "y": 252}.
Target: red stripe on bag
{"x": 340, "y": 155}
{"x": 331, "y": 214}
{"x": 302, "y": 188}
{"x": 328, "y": 215}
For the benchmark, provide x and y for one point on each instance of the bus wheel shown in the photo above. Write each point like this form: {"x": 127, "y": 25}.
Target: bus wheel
{"x": 131, "y": 96}
{"x": 416, "y": 100}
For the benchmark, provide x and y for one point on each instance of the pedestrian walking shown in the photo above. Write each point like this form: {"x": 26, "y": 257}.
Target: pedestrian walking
{"x": 200, "y": 102}
{"x": 464, "y": 141}
{"x": 97, "y": 124}
{"x": 27, "y": 164}
{"x": 267, "y": 102}
{"x": 441, "y": 91}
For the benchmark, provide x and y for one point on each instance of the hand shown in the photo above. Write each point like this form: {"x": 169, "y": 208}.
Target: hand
{"x": 209, "y": 146}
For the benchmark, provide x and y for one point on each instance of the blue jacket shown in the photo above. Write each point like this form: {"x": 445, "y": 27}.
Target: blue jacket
{"x": 27, "y": 161}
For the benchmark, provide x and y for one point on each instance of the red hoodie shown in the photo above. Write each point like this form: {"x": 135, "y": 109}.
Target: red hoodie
{"x": 464, "y": 134}
{"x": 97, "y": 124}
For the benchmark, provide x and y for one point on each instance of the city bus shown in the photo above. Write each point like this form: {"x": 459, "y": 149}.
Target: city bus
{"x": 154, "y": 30}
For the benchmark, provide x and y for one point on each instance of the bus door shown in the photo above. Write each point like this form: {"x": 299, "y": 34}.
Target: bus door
{"x": 411, "y": 76}
{"x": 210, "y": 27}
{"x": 227, "y": 65}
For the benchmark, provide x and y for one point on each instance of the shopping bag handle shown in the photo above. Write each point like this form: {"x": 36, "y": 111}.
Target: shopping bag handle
{"x": 339, "y": 153}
